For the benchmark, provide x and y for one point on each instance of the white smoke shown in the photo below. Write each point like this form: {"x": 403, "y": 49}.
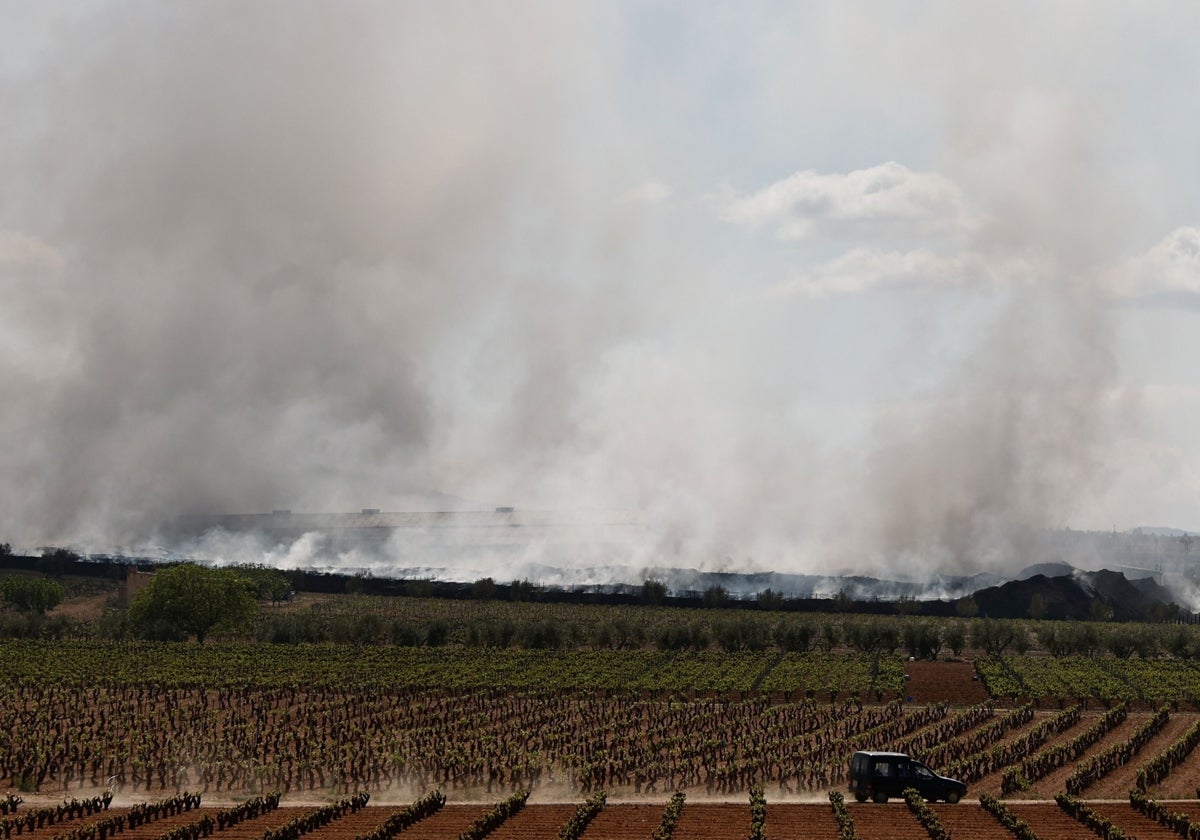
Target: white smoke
{"x": 826, "y": 292}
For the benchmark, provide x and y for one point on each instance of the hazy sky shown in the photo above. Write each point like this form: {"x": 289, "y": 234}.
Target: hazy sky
{"x": 805, "y": 284}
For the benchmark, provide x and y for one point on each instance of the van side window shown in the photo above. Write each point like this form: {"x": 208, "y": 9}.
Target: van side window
{"x": 882, "y": 769}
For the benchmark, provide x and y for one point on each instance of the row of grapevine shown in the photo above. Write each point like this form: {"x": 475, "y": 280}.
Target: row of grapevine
{"x": 583, "y": 817}
{"x": 972, "y": 768}
{"x": 488, "y": 823}
{"x": 104, "y": 664}
{"x": 1110, "y": 680}
{"x": 670, "y": 818}
{"x": 296, "y": 828}
{"x": 1083, "y": 813}
{"x": 247, "y": 810}
{"x": 943, "y": 733}
{"x": 1050, "y": 759}
{"x": 925, "y": 815}
{"x": 841, "y": 813}
{"x": 1099, "y": 766}
{"x": 977, "y": 740}
{"x": 1177, "y": 821}
{"x": 284, "y": 739}
{"x": 1018, "y": 827}
{"x": 30, "y": 820}
{"x": 138, "y": 815}
{"x": 1158, "y": 767}
{"x": 426, "y": 806}
{"x": 758, "y": 813}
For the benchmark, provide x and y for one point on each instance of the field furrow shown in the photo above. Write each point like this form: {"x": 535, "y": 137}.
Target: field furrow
{"x": 709, "y": 821}
{"x": 626, "y": 822}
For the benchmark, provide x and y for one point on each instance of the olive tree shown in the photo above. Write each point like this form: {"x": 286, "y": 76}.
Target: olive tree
{"x": 31, "y": 594}
{"x": 191, "y": 600}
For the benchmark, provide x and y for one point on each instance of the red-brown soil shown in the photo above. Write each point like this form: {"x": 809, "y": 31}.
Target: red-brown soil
{"x": 1117, "y": 784}
{"x": 1048, "y": 821}
{"x": 1183, "y": 780}
{"x": 812, "y": 822}
{"x": 1130, "y": 820}
{"x": 446, "y": 824}
{"x": 892, "y": 821}
{"x": 704, "y": 821}
{"x": 628, "y": 822}
{"x": 968, "y": 820}
{"x": 943, "y": 682}
{"x": 699, "y": 821}
{"x": 535, "y": 822}
{"x": 1056, "y": 782}
{"x": 991, "y": 783}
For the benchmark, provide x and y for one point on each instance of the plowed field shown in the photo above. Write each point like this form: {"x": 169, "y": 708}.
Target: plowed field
{"x": 699, "y": 821}
{"x": 943, "y": 682}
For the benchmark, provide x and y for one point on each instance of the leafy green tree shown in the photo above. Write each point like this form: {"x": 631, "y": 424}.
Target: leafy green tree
{"x": 1037, "y": 606}
{"x": 1120, "y": 641}
{"x": 769, "y": 599}
{"x": 994, "y": 636}
{"x": 31, "y": 594}
{"x": 831, "y": 636}
{"x": 437, "y": 633}
{"x": 419, "y": 588}
{"x": 1081, "y": 639}
{"x": 907, "y": 605}
{"x": 923, "y": 639}
{"x": 653, "y": 591}
{"x": 191, "y": 600}
{"x": 357, "y": 583}
{"x": 1180, "y": 642}
{"x": 966, "y": 607}
{"x": 955, "y": 637}
{"x": 741, "y": 633}
{"x": 521, "y": 590}
{"x": 483, "y": 589}
{"x": 715, "y": 596}
{"x": 794, "y": 635}
{"x": 56, "y": 563}
{"x": 1053, "y": 639}
{"x": 872, "y": 635}
{"x": 265, "y": 583}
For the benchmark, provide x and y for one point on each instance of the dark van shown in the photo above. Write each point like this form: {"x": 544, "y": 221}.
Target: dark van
{"x": 878, "y": 775}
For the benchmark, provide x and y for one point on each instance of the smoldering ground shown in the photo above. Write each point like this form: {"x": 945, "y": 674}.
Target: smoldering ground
{"x": 264, "y": 255}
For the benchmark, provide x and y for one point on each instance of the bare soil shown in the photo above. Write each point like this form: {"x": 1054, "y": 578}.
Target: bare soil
{"x": 84, "y": 608}
{"x": 953, "y": 683}
{"x": 1118, "y": 783}
{"x": 699, "y": 821}
{"x": 1056, "y": 782}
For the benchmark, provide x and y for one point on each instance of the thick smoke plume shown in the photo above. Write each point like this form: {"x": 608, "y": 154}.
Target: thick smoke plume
{"x": 323, "y": 256}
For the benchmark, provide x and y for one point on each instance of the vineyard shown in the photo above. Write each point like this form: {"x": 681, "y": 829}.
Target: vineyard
{"x": 753, "y": 742}
{"x": 433, "y": 817}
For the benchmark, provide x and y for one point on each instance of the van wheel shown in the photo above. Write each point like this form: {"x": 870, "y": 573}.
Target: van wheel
{"x": 881, "y": 798}
{"x": 860, "y": 797}
{"x": 952, "y": 797}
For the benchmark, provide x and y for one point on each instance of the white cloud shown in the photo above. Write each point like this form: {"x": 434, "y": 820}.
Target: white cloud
{"x": 1172, "y": 265}
{"x": 864, "y": 269}
{"x": 885, "y": 198}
